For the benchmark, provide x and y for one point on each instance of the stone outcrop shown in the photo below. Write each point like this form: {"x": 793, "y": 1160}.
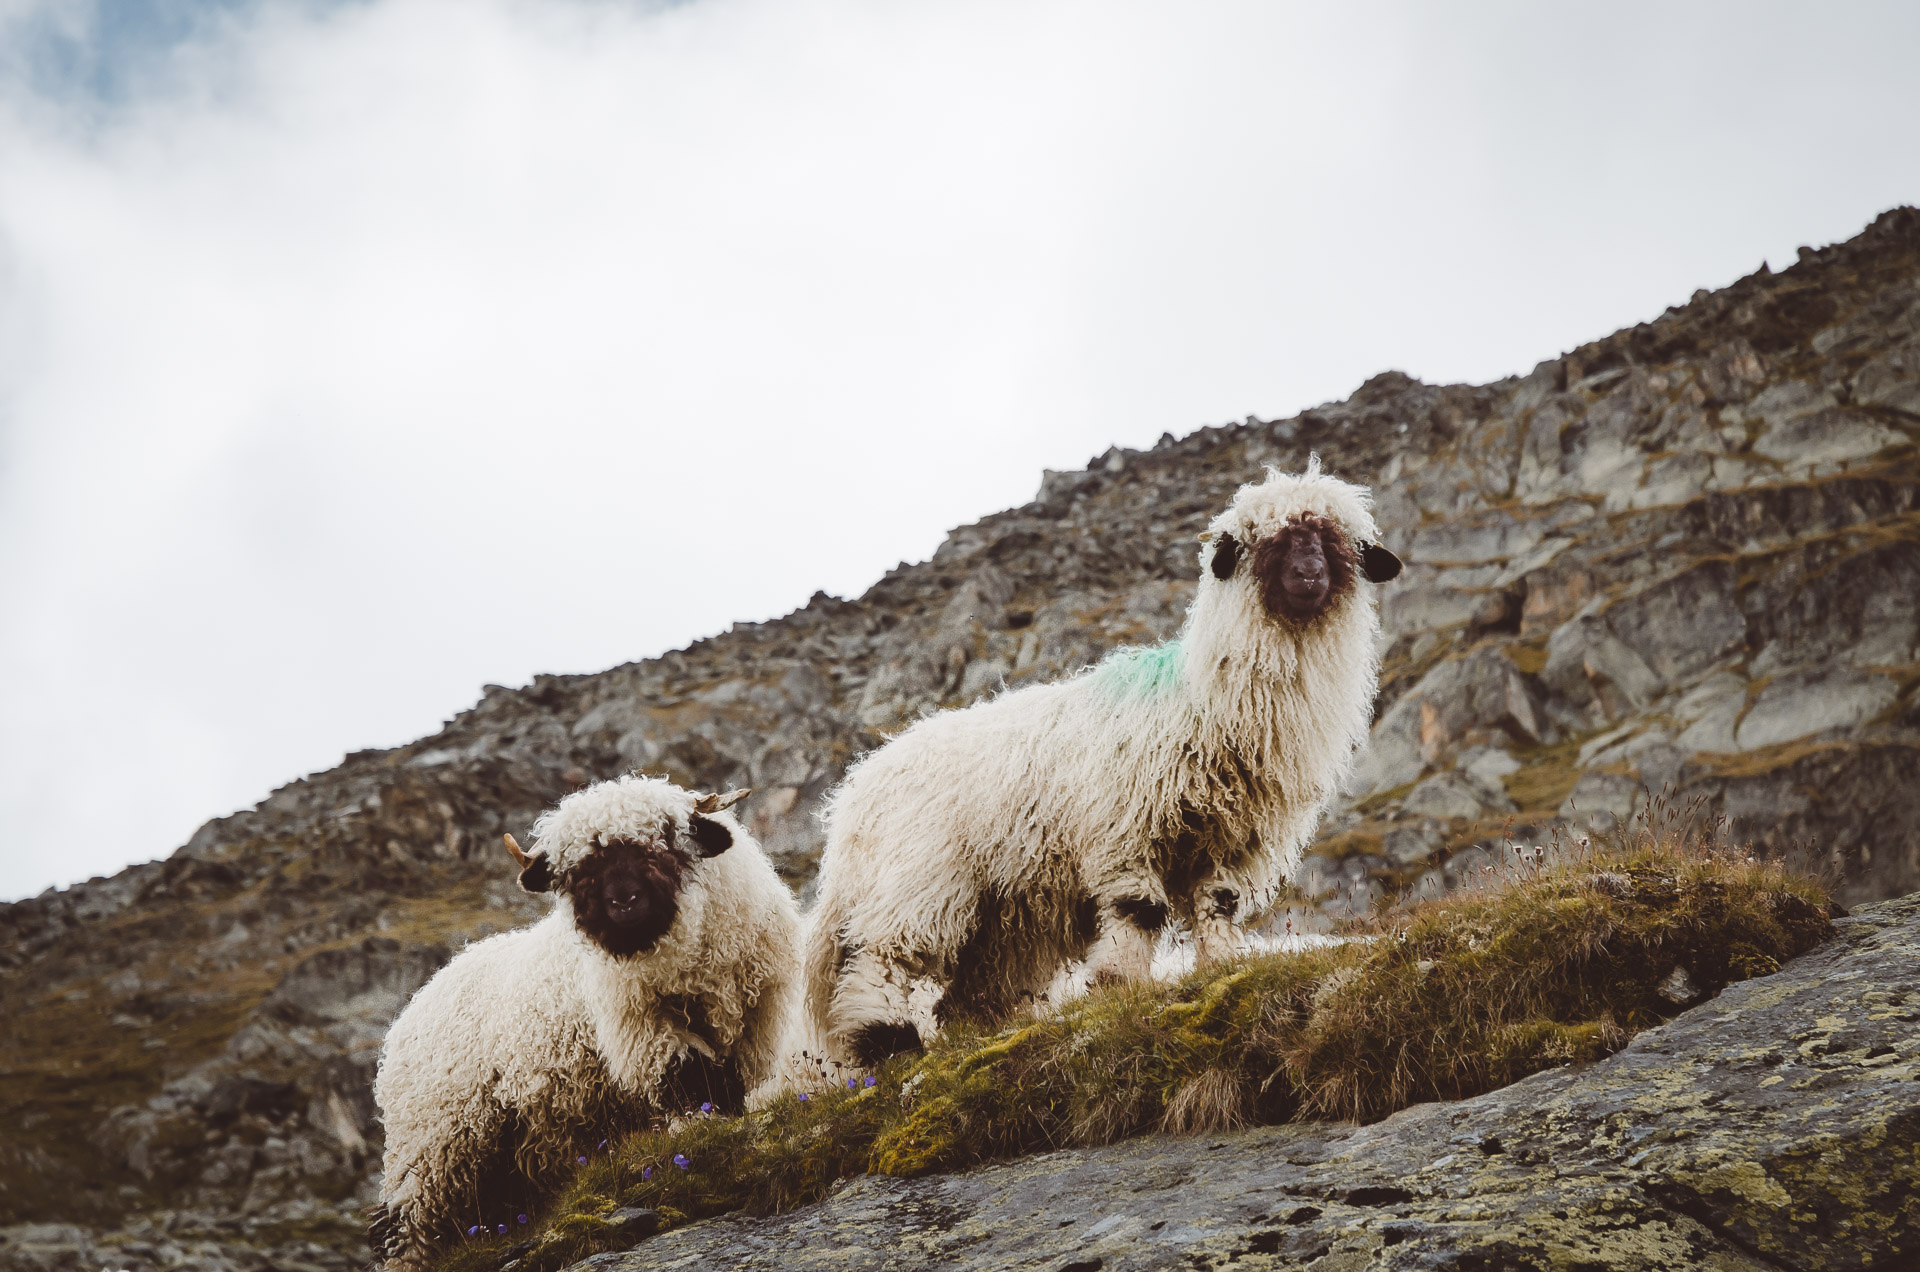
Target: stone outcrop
{"x": 1777, "y": 1126}
{"x": 1684, "y": 558}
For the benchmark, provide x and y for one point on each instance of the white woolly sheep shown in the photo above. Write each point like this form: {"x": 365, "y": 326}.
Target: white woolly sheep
{"x": 980, "y": 850}
{"x": 662, "y": 979}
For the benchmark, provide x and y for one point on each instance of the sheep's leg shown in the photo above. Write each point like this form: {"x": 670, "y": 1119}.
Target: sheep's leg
{"x": 411, "y": 1217}
{"x": 403, "y": 1235}
{"x": 881, "y": 1006}
{"x": 387, "y": 1235}
{"x": 1222, "y": 903}
{"x": 1216, "y": 936}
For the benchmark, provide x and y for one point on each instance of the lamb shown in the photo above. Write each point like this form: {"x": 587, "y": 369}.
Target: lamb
{"x": 981, "y": 850}
{"x": 661, "y": 980}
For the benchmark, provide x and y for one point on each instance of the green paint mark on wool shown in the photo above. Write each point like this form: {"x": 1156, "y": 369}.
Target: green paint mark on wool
{"x": 1144, "y": 672}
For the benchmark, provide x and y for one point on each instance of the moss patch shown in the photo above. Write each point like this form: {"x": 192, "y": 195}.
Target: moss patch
{"x": 1550, "y": 965}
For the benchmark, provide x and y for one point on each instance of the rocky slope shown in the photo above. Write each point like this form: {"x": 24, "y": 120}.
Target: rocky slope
{"x": 1774, "y": 1127}
{"x": 1684, "y": 558}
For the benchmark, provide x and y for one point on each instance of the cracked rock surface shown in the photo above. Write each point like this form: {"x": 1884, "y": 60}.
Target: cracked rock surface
{"x": 1777, "y": 1126}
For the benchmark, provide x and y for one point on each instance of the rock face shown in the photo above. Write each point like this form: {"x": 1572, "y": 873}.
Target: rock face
{"x": 1777, "y": 1126}
{"x": 1685, "y": 557}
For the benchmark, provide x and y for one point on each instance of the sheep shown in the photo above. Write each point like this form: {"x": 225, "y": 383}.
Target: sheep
{"x": 661, "y": 979}
{"x": 980, "y": 850}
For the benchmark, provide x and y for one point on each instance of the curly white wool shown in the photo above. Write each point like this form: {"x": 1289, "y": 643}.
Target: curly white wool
{"x": 539, "y": 1032}
{"x": 980, "y": 836}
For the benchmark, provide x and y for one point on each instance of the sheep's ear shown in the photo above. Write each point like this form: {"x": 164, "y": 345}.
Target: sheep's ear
{"x": 710, "y": 838}
{"x": 1378, "y": 564}
{"x": 538, "y": 875}
{"x": 535, "y": 874}
{"x": 1226, "y": 556}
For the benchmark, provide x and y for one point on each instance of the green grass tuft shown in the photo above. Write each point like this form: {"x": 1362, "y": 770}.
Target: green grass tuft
{"x": 1544, "y": 966}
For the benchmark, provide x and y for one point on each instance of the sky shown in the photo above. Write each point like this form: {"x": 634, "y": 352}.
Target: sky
{"x": 356, "y": 355}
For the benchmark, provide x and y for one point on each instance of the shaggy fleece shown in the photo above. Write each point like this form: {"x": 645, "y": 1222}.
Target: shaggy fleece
{"x": 531, "y": 1041}
{"x": 982, "y": 849}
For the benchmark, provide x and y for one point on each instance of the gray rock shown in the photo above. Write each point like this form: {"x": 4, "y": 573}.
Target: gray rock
{"x": 1782, "y": 403}
{"x": 1828, "y": 437}
{"x": 1709, "y": 712}
{"x": 1487, "y": 767}
{"x": 48, "y": 1247}
{"x": 1453, "y": 795}
{"x": 1587, "y": 664}
{"x": 1809, "y": 702}
{"x": 1462, "y": 702}
{"x": 1891, "y": 380}
{"x": 635, "y": 1221}
{"x": 1486, "y": 538}
{"x": 1672, "y": 479}
{"x": 1409, "y": 845}
{"x": 1733, "y": 371}
{"x": 1679, "y": 988}
{"x": 1429, "y": 607}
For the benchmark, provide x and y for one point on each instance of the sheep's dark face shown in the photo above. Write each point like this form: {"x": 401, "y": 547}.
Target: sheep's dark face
{"x": 626, "y": 892}
{"x": 1304, "y": 570}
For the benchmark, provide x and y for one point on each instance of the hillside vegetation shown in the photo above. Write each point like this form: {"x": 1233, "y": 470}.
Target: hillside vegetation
{"x": 1554, "y": 958}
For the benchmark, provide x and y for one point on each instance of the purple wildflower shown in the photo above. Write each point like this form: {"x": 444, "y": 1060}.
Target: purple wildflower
{"x": 852, "y": 1083}
{"x": 871, "y": 1080}
{"x": 706, "y": 1106}
{"x": 523, "y": 1218}
{"x": 680, "y": 1160}
{"x": 805, "y": 1096}
{"x": 581, "y": 1160}
{"x": 501, "y": 1229}
{"x": 603, "y": 1144}
{"x": 474, "y": 1231}
{"x": 646, "y": 1172}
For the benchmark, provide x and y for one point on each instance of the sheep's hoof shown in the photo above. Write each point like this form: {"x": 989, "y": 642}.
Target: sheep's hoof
{"x": 875, "y": 1042}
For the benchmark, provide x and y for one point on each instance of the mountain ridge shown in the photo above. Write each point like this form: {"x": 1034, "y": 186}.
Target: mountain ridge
{"x": 1683, "y": 557}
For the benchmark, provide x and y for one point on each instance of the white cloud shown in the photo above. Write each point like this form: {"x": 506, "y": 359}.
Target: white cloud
{"x": 354, "y": 356}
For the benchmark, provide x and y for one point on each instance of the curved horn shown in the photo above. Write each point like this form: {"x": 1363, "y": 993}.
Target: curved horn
{"x": 705, "y": 804}
{"x": 520, "y": 857}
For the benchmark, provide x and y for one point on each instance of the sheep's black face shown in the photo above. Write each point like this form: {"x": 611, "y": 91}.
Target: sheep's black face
{"x": 626, "y": 894}
{"x": 1305, "y": 569}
